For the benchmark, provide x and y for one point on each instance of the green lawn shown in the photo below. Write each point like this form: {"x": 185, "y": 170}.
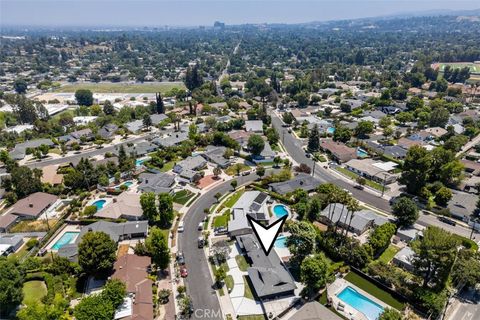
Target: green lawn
{"x": 222, "y": 221}
{"x": 33, "y": 291}
{"x": 248, "y": 293}
{"x": 122, "y": 87}
{"x": 374, "y": 290}
{"x": 167, "y": 166}
{"x": 388, "y": 254}
{"x": 232, "y": 171}
{"x": 182, "y": 197}
{"x": 242, "y": 263}
{"x": 229, "y": 283}
{"x": 354, "y": 177}
{"x": 233, "y": 198}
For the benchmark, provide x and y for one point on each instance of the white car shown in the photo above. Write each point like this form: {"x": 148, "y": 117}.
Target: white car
{"x": 200, "y": 226}
{"x": 181, "y": 227}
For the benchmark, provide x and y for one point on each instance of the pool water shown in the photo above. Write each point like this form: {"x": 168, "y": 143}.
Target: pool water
{"x": 128, "y": 183}
{"x": 280, "y": 210}
{"x": 99, "y": 204}
{"x": 331, "y": 130}
{"x": 139, "y": 162}
{"x": 281, "y": 242}
{"x": 361, "y": 153}
{"x": 361, "y": 303}
{"x": 67, "y": 238}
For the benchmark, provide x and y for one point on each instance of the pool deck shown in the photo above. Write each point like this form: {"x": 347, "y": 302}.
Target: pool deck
{"x": 348, "y": 311}
{"x": 67, "y": 228}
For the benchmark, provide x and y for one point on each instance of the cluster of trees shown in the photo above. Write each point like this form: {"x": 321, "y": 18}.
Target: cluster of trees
{"x": 158, "y": 209}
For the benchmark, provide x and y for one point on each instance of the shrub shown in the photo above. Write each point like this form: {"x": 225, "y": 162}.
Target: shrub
{"x": 31, "y": 243}
{"x": 89, "y": 211}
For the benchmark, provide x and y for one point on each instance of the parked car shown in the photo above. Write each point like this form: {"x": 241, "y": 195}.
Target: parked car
{"x": 447, "y": 221}
{"x": 181, "y": 227}
{"x": 200, "y": 226}
{"x": 246, "y": 173}
{"x": 201, "y": 243}
{"x": 220, "y": 230}
{"x": 359, "y": 187}
{"x": 180, "y": 258}
{"x": 308, "y": 155}
{"x": 183, "y": 272}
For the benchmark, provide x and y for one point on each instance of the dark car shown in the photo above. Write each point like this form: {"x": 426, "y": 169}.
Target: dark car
{"x": 447, "y": 221}
{"x": 359, "y": 187}
{"x": 180, "y": 258}
{"x": 220, "y": 230}
{"x": 201, "y": 243}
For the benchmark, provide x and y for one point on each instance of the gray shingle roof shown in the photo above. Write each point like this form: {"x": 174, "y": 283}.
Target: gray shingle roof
{"x": 300, "y": 181}
{"x": 156, "y": 182}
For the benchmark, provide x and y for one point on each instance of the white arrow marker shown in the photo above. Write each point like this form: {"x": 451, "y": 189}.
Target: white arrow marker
{"x": 267, "y": 235}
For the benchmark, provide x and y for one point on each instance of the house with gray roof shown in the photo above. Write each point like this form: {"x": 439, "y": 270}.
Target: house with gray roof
{"x": 134, "y": 126}
{"x": 139, "y": 149}
{"x": 251, "y": 203}
{"x": 300, "y": 181}
{"x": 108, "y": 131}
{"x": 404, "y": 258}
{"x": 116, "y": 231}
{"x": 313, "y": 310}
{"x": 20, "y": 150}
{"x": 188, "y": 169}
{"x": 215, "y": 155}
{"x": 156, "y": 182}
{"x": 269, "y": 276}
{"x": 84, "y": 133}
{"x": 254, "y": 126}
{"x": 174, "y": 139}
{"x": 7, "y": 221}
{"x": 361, "y": 221}
{"x": 462, "y": 205}
{"x": 266, "y": 155}
{"x": 10, "y": 243}
{"x": 157, "y": 118}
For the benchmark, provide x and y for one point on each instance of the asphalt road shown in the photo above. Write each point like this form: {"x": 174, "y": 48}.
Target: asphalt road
{"x": 294, "y": 148}
{"x": 87, "y": 154}
{"x": 199, "y": 282}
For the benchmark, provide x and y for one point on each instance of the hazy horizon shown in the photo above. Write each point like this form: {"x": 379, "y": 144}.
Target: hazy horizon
{"x": 151, "y": 13}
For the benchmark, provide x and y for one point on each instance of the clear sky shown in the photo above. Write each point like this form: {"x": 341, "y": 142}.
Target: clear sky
{"x": 205, "y": 12}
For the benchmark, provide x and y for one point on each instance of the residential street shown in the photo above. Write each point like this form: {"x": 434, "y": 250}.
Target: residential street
{"x": 199, "y": 282}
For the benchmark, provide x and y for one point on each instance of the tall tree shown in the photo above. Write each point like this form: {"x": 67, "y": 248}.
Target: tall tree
{"x": 97, "y": 253}
{"x": 84, "y": 97}
{"x": 255, "y": 144}
{"x": 314, "y": 139}
{"x": 416, "y": 168}
{"x": 149, "y": 207}
{"x": 11, "y": 284}
{"x": 405, "y": 211}
{"x": 160, "y": 107}
{"x": 301, "y": 243}
{"x": 157, "y": 247}
{"x": 165, "y": 209}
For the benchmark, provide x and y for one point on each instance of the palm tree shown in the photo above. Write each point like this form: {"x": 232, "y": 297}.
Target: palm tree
{"x": 353, "y": 207}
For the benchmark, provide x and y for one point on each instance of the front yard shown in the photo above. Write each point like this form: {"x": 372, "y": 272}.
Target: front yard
{"x": 242, "y": 263}
{"x": 182, "y": 197}
{"x": 222, "y": 221}
{"x": 354, "y": 176}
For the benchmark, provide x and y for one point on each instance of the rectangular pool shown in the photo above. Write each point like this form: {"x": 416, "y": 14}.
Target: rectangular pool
{"x": 67, "y": 238}
{"x": 361, "y": 303}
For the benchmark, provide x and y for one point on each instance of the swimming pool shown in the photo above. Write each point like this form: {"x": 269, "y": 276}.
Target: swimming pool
{"x": 280, "y": 210}
{"x": 128, "y": 183}
{"x": 139, "y": 162}
{"x": 67, "y": 238}
{"x": 331, "y": 130}
{"x": 361, "y": 303}
{"x": 281, "y": 242}
{"x": 99, "y": 204}
{"x": 361, "y": 153}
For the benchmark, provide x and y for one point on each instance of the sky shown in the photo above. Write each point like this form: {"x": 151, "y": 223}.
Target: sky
{"x": 205, "y": 12}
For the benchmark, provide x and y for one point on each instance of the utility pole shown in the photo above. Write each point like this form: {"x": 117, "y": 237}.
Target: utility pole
{"x": 383, "y": 184}
{"x": 313, "y": 171}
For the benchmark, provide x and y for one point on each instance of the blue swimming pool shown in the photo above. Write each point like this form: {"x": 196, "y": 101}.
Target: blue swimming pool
{"x": 331, "y": 130}
{"x": 99, "y": 204}
{"x": 361, "y": 153}
{"x": 128, "y": 183}
{"x": 281, "y": 242}
{"x": 280, "y": 210}
{"x": 67, "y": 238}
{"x": 361, "y": 303}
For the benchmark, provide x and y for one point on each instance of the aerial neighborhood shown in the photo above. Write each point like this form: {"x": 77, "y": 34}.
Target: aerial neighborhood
{"x": 131, "y": 163}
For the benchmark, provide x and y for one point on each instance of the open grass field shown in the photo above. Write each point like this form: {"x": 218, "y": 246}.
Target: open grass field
{"x": 474, "y": 67}
{"x": 33, "y": 291}
{"x": 107, "y": 87}
{"x": 375, "y": 291}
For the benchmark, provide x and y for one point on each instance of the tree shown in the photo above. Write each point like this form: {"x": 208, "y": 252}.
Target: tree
{"x": 96, "y": 253}
{"x": 255, "y": 144}
{"x": 313, "y": 209}
{"x": 147, "y": 121}
{"x": 157, "y": 247}
{"x": 385, "y": 122}
{"x": 165, "y": 209}
{"x": 364, "y": 128}
{"x": 24, "y": 181}
{"x": 160, "y": 107}
{"x": 260, "y": 171}
{"x": 314, "y": 273}
{"x": 314, "y": 139}
{"x": 405, "y": 211}
{"x": 11, "y": 284}
{"x": 234, "y": 184}
{"x": 84, "y": 97}
{"x": 304, "y": 168}
{"x": 149, "y": 207}
{"x": 390, "y": 314}
{"x": 416, "y": 169}
{"x": 301, "y": 243}
{"x": 345, "y": 107}
{"x": 439, "y": 117}
{"x": 217, "y": 171}
{"x": 108, "y": 108}
{"x": 20, "y": 86}
{"x": 342, "y": 133}
{"x": 288, "y": 118}
{"x": 434, "y": 256}
{"x": 467, "y": 268}
{"x": 220, "y": 275}
{"x": 94, "y": 307}
{"x": 456, "y": 142}
{"x": 193, "y": 79}
{"x": 379, "y": 239}
{"x": 361, "y": 180}
{"x": 442, "y": 196}
{"x": 114, "y": 291}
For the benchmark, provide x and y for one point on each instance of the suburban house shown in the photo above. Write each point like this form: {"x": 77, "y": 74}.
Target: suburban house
{"x": 373, "y": 170}
{"x": 360, "y": 222}
{"x": 7, "y": 221}
{"x": 409, "y": 233}
{"x": 313, "y": 310}
{"x": 32, "y": 206}
{"x": 86, "y": 134}
{"x": 20, "y": 150}
{"x": 300, "y": 181}
{"x": 403, "y": 258}
{"x": 108, "y": 131}
{"x": 266, "y": 155}
{"x": 125, "y": 206}
{"x": 171, "y": 140}
{"x": 156, "y": 182}
{"x": 395, "y": 152}
{"x": 139, "y": 149}
{"x": 133, "y": 270}
{"x": 10, "y": 243}
{"x": 255, "y": 126}
{"x": 240, "y": 136}
{"x": 252, "y": 203}
{"x": 188, "y": 168}
{"x": 338, "y": 151}
{"x": 215, "y": 154}
{"x": 157, "y": 118}
{"x": 116, "y": 231}
{"x": 462, "y": 205}
{"x": 134, "y": 126}
{"x": 269, "y": 276}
